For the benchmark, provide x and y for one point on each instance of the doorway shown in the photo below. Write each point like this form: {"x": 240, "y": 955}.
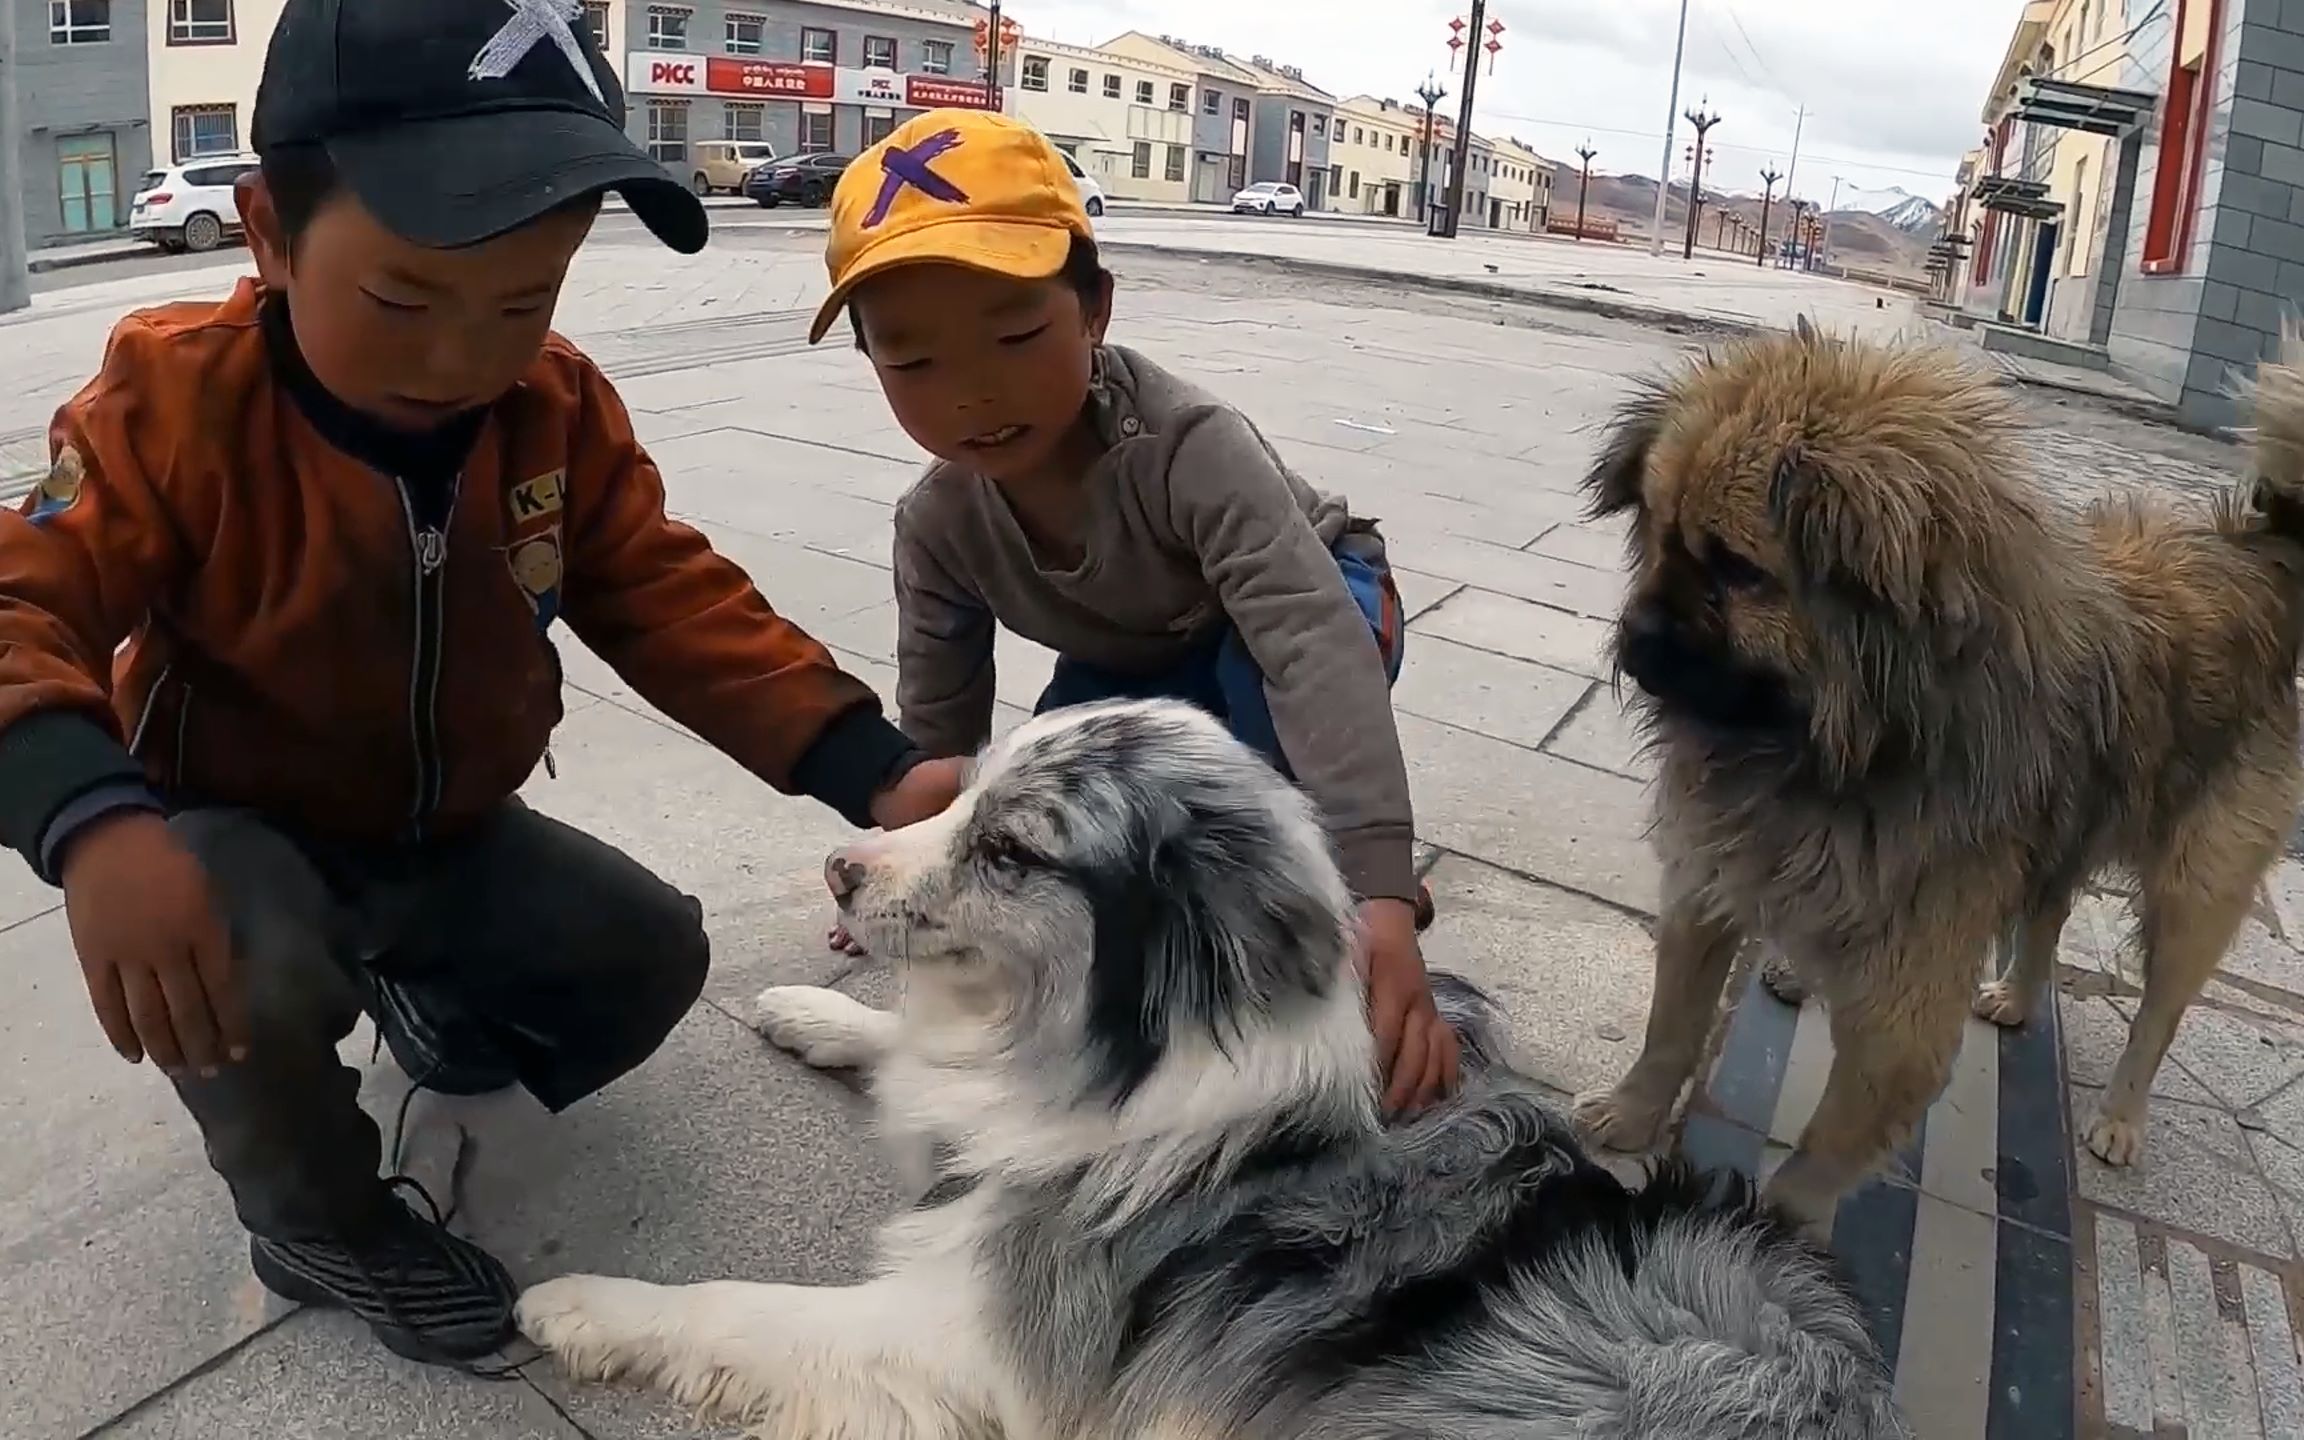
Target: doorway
{"x": 87, "y": 184}
{"x": 2043, "y": 266}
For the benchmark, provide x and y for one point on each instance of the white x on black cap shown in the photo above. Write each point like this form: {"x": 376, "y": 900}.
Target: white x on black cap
{"x": 456, "y": 121}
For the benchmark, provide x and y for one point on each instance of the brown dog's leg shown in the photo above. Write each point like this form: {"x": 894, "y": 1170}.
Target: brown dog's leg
{"x": 2010, "y": 999}
{"x": 2190, "y": 912}
{"x": 1892, "y": 1049}
{"x": 1694, "y": 953}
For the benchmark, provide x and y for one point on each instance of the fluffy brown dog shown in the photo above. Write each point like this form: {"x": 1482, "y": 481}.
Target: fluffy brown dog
{"x": 1905, "y": 709}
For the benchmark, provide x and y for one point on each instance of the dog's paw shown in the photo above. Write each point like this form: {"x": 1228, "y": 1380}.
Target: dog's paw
{"x": 2115, "y": 1141}
{"x": 594, "y": 1326}
{"x": 2003, "y": 1004}
{"x": 1782, "y": 981}
{"x": 1618, "y": 1122}
{"x": 824, "y": 1028}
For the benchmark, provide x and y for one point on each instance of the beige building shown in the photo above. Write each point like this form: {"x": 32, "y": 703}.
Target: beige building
{"x": 206, "y": 57}
{"x": 1374, "y": 150}
{"x": 1126, "y": 119}
{"x": 1520, "y": 193}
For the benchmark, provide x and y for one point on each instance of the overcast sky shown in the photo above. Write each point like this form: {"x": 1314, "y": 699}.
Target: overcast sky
{"x": 1894, "y": 88}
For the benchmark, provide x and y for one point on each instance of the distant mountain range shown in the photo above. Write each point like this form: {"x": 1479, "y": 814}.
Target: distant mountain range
{"x": 1890, "y": 228}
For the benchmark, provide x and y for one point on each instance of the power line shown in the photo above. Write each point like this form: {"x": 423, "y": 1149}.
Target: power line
{"x": 1756, "y": 59}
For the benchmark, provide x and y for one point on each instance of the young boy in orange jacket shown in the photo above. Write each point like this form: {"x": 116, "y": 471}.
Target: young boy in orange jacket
{"x": 335, "y": 517}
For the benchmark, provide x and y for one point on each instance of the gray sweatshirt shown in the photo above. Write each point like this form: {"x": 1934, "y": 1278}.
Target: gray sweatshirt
{"x": 1192, "y": 520}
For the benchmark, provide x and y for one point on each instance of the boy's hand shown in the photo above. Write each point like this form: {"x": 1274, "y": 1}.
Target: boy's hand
{"x": 157, "y": 960}
{"x": 927, "y": 789}
{"x": 1414, "y": 1046}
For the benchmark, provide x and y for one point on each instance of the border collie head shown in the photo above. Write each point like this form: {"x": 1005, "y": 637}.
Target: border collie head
{"x": 1129, "y": 914}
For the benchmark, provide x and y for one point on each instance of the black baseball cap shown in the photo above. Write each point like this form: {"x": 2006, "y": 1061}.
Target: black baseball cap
{"x": 456, "y": 121}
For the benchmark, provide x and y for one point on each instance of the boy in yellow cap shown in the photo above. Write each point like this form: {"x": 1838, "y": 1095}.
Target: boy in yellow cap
{"x": 1133, "y": 523}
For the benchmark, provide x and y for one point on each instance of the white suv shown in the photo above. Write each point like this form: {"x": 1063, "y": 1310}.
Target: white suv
{"x": 1269, "y": 197}
{"x": 190, "y": 206}
{"x": 1091, "y": 193}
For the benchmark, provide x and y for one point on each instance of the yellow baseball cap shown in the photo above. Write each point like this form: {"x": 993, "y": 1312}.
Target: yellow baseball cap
{"x": 952, "y": 187}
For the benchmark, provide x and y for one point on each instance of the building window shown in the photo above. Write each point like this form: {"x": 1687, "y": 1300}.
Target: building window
{"x": 1111, "y": 87}
{"x": 816, "y": 131}
{"x": 596, "y": 16}
{"x": 197, "y": 130}
{"x": 1320, "y": 125}
{"x": 1335, "y": 178}
{"x": 821, "y": 46}
{"x": 1077, "y": 82}
{"x": 667, "y": 131}
{"x": 668, "y": 30}
{"x": 936, "y": 57}
{"x": 79, "y": 22}
{"x": 1036, "y": 73}
{"x": 1175, "y": 162}
{"x": 1143, "y": 92}
{"x": 747, "y": 34}
{"x": 199, "y": 22}
{"x": 1140, "y": 164}
{"x": 2186, "y": 107}
{"x": 1211, "y": 103}
{"x": 878, "y": 128}
{"x": 879, "y": 52}
{"x": 1355, "y": 182}
{"x": 1180, "y": 97}
{"x": 1240, "y": 108}
{"x": 745, "y": 122}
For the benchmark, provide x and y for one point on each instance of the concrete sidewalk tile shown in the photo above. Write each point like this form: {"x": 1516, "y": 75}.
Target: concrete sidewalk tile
{"x": 2218, "y": 1381}
{"x": 1531, "y": 812}
{"x": 1419, "y": 592}
{"x": 2265, "y": 958}
{"x": 1506, "y": 626}
{"x": 2241, "y": 1058}
{"x": 1572, "y": 975}
{"x": 1579, "y": 589}
{"x": 1807, "y": 1065}
{"x": 1491, "y": 694}
{"x": 322, "y": 1377}
{"x": 1598, "y": 544}
{"x": 1962, "y": 1147}
{"x": 1943, "y": 1375}
{"x": 2096, "y": 939}
{"x": 2273, "y": 1352}
{"x": 1605, "y": 733}
{"x": 2196, "y": 1174}
{"x": 2160, "y": 1336}
{"x": 752, "y": 856}
{"x": 2095, "y": 1030}
{"x": 2122, "y": 1326}
{"x": 22, "y": 895}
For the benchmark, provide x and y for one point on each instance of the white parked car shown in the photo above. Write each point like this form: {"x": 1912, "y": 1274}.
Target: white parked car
{"x": 190, "y": 206}
{"x": 1091, "y": 192}
{"x": 1269, "y": 197}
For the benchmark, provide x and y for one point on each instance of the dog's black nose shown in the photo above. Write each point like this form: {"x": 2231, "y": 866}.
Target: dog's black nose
{"x": 843, "y": 877}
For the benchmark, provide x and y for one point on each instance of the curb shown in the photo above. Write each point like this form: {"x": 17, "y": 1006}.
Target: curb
{"x": 1672, "y": 321}
{"x": 42, "y": 265}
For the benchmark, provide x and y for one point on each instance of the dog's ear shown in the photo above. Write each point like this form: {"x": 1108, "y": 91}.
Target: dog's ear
{"x": 1613, "y": 484}
{"x": 1863, "y": 534}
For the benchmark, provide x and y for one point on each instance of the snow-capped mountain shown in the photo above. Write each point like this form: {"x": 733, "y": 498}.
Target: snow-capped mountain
{"x": 1895, "y": 205}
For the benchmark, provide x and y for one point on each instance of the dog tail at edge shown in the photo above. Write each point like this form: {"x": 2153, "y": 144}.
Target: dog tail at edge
{"x": 2278, "y": 405}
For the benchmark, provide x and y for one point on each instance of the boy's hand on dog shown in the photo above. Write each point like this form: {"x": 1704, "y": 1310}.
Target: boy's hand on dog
{"x": 155, "y": 954}
{"x": 1414, "y": 1046}
{"x": 925, "y": 790}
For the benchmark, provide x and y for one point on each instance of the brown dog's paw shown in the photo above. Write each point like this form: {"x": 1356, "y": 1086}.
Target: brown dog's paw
{"x": 2116, "y": 1142}
{"x": 2003, "y": 1004}
{"x": 1617, "y": 1122}
{"x": 1782, "y": 980}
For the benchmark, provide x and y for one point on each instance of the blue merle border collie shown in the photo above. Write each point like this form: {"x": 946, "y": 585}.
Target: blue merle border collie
{"x": 1158, "y": 1202}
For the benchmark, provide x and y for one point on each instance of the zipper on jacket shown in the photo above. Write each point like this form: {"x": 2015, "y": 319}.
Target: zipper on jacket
{"x": 428, "y": 557}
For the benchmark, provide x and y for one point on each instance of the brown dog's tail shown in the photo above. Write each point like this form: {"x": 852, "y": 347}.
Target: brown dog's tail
{"x": 2279, "y": 414}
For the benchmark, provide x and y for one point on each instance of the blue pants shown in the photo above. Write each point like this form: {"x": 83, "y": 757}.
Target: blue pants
{"x": 1222, "y": 678}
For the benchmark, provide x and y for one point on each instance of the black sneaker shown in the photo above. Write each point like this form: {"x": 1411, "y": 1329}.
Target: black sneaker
{"x": 428, "y": 1295}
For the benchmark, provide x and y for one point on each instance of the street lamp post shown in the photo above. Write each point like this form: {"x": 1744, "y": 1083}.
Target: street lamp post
{"x": 1769, "y": 177}
{"x": 1584, "y": 152}
{"x": 1432, "y": 93}
{"x": 1703, "y": 122}
{"x": 1461, "y": 160}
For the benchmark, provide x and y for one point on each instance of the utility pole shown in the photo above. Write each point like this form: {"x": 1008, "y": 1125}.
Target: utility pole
{"x": 1825, "y": 244}
{"x": 1703, "y": 123}
{"x": 1584, "y": 152}
{"x": 1671, "y": 116}
{"x": 1769, "y": 177}
{"x": 1792, "y": 171}
{"x": 1461, "y": 160}
{"x": 15, "y": 284}
{"x": 1432, "y": 93}
{"x": 992, "y": 60}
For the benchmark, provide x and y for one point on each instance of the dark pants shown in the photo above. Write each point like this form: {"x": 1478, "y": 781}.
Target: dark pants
{"x": 525, "y": 951}
{"x": 1222, "y": 678}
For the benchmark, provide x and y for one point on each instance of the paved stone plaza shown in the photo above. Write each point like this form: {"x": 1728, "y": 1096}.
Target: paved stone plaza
{"x": 1463, "y": 423}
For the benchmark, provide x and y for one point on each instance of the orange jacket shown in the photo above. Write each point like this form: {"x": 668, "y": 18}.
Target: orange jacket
{"x": 296, "y": 644}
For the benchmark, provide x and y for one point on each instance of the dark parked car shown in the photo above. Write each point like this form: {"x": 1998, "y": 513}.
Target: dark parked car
{"x": 801, "y": 179}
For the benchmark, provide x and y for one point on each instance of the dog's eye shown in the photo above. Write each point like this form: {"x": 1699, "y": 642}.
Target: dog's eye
{"x": 1006, "y": 853}
{"x": 1732, "y": 571}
